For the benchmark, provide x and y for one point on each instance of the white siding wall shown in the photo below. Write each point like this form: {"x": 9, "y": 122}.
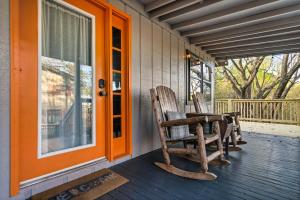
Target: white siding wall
{"x": 157, "y": 58}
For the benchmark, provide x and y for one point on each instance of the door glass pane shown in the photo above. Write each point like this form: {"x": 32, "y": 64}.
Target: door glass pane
{"x": 116, "y": 60}
{"x": 117, "y": 127}
{"x": 117, "y": 104}
{"x": 116, "y": 82}
{"x": 66, "y": 82}
{"x": 116, "y": 37}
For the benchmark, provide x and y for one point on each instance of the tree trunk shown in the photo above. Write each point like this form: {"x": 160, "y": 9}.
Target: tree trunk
{"x": 286, "y": 76}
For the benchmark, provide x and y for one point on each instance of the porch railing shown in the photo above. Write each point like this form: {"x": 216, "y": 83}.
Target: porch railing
{"x": 286, "y": 111}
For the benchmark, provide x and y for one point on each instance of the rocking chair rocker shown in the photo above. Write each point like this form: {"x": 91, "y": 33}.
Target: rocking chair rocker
{"x": 173, "y": 128}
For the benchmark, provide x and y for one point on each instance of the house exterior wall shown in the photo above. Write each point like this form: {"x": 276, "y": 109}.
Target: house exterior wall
{"x": 158, "y": 58}
{"x": 4, "y": 99}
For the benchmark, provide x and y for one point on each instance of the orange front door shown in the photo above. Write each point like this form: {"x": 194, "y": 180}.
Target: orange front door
{"x": 62, "y": 48}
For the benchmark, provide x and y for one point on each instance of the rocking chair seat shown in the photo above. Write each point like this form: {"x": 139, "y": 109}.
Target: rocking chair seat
{"x": 207, "y": 137}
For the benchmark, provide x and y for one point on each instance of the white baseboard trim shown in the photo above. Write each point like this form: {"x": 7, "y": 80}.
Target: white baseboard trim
{"x": 48, "y": 181}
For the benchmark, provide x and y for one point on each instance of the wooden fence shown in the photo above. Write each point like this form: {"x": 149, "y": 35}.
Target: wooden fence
{"x": 286, "y": 111}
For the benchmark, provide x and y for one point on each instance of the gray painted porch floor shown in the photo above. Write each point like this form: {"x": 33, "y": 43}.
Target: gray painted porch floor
{"x": 268, "y": 167}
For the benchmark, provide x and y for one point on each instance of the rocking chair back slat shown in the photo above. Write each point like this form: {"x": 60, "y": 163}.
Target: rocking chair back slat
{"x": 167, "y": 99}
{"x": 199, "y": 102}
{"x": 159, "y": 115}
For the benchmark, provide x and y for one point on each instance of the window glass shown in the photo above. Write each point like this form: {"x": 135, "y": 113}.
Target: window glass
{"x": 116, "y": 37}
{"x": 198, "y": 77}
{"x": 116, "y": 82}
{"x": 117, "y": 127}
{"x": 116, "y": 60}
{"x": 117, "y": 104}
{"x": 195, "y": 77}
{"x": 206, "y": 72}
{"x": 66, "y": 82}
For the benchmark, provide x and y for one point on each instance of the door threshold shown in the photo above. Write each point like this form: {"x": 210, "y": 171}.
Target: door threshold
{"x": 62, "y": 172}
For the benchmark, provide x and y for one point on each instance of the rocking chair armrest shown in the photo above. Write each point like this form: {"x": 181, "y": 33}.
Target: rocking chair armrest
{"x": 201, "y": 114}
{"x": 189, "y": 121}
{"x": 232, "y": 114}
{"x": 189, "y": 115}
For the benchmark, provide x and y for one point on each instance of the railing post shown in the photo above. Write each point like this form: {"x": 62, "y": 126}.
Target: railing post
{"x": 229, "y": 105}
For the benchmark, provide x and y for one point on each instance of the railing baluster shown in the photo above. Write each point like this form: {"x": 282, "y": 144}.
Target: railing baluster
{"x": 260, "y": 110}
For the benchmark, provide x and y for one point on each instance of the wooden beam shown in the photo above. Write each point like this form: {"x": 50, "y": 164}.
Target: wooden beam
{"x": 267, "y": 53}
{"x": 243, "y": 21}
{"x": 250, "y": 42}
{"x": 176, "y": 5}
{"x": 249, "y": 30}
{"x": 256, "y": 47}
{"x": 267, "y": 49}
{"x": 221, "y": 13}
{"x": 188, "y": 9}
{"x": 254, "y": 36}
{"x": 156, "y": 4}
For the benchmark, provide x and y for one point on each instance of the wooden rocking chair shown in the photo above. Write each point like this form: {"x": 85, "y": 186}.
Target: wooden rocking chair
{"x": 164, "y": 102}
{"x": 233, "y": 117}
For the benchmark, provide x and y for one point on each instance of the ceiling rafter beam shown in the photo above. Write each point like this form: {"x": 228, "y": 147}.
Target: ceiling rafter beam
{"x": 188, "y": 9}
{"x": 171, "y": 7}
{"x": 249, "y": 30}
{"x": 255, "y": 47}
{"x": 221, "y": 13}
{"x": 267, "y": 49}
{"x": 250, "y": 42}
{"x": 253, "y": 18}
{"x": 156, "y": 4}
{"x": 295, "y": 29}
{"x": 259, "y": 54}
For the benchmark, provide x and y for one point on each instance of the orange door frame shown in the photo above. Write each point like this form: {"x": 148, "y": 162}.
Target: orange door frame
{"x": 16, "y": 69}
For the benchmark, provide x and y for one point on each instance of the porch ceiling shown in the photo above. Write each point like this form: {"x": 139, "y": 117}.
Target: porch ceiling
{"x": 233, "y": 28}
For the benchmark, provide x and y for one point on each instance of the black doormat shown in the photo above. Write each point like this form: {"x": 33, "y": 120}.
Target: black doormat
{"x": 88, "y": 187}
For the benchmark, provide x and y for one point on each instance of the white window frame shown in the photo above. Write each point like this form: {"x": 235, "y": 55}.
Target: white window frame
{"x": 40, "y": 154}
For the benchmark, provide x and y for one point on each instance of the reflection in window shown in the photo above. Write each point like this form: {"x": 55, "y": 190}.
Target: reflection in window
{"x": 207, "y": 91}
{"x": 206, "y": 72}
{"x": 116, "y": 82}
{"x": 116, "y": 37}
{"x": 117, "y": 104}
{"x": 66, "y": 78}
{"x": 195, "y": 78}
{"x": 198, "y": 77}
{"x": 116, "y": 60}
{"x": 117, "y": 127}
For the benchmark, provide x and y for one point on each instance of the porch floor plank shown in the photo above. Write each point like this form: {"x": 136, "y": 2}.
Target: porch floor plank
{"x": 268, "y": 167}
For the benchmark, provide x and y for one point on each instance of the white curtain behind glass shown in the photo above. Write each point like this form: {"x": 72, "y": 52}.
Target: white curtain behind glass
{"x": 67, "y": 78}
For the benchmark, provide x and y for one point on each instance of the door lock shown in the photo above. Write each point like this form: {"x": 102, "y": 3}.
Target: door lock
{"x": 101, "y": 85}
{"x": 102, "y": 93}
